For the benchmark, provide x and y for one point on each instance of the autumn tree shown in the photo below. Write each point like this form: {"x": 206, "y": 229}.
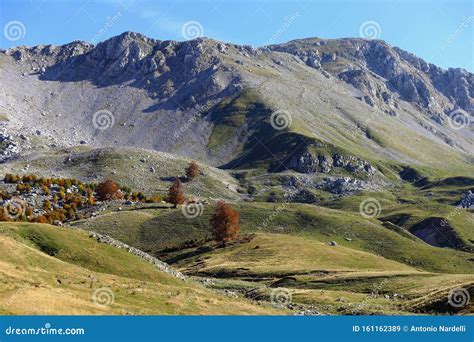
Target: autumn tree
{"x": 155, "y": 198}
{"x": 192, "y": 171}
{"x": 108, "y": 190}
{"x": 45, "y": 190}
{"x": 10, "y": 178}
{"x": 225, "y": 222}
{"x": 176, "y": 193}
{"x": 90, "y": 200}
{"x": 47, "y": 205}
{"x": 70, "y": 214}
{"x": 40, "y": 219}
{"x": 4, "y": 215}
{"x": 29, "y": 212}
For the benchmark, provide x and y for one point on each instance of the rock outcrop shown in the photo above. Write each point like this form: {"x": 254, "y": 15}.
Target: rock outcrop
{"x": 308, "y": 162}
{"x": 162, "y": 266}
{"x": 177, "y": 97}
{"x": 383, "y": 73}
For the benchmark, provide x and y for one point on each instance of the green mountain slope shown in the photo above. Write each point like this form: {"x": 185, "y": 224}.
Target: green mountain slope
{"x": 52, "y": 270}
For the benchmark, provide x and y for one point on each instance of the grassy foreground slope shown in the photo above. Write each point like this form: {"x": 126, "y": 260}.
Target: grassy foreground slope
{"x": 280, "y": 254}
{"x": 410, "y": 207}
{"x": 52, "y": 270}
{"x": 142, "y": 170}
{"x": 157, "y": 229}
{"x": 334, "y": 279}
{"x": 372, "y": 268}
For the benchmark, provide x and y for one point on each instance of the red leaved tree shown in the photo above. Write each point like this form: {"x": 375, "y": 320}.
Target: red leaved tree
{"x": 176, "y": 193}
{"x": 108, "y": 190}
{"x": 225, "y": 222}
{"x": 192, "y": 171}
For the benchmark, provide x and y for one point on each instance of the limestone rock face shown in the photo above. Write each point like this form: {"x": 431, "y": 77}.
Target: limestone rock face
{"x": 383, "y": 73}
{"x": 341, "y": 91}
{"x": 307, "y": 162}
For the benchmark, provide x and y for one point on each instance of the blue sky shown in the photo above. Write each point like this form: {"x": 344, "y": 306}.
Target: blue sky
{"x": 440, "y": 32}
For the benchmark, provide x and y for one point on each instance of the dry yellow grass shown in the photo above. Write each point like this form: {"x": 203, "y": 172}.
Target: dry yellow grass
{"x": 32, "y": 282}
{"x": 274, "y": 254}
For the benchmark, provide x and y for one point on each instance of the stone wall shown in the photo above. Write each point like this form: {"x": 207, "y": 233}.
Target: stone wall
{"x": 162, "y": 266}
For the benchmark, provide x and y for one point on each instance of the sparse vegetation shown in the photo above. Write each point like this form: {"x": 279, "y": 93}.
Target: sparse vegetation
{"x": 63, "y": 199}
{"x": 192, "y": 171}
{"x": 109, "y": 190}
{"x": 176, "y": 193}
{"x": 292, "y": 153}
{"x": 66, "y": 263}
{"x": 225, "y": 222}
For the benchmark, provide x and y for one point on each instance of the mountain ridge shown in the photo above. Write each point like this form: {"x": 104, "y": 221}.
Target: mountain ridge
{"x": 76, "y": 48}
{"x": 344, "y": 159}
{"x": 139, "y": 35}
{"x": 170, "y": 83}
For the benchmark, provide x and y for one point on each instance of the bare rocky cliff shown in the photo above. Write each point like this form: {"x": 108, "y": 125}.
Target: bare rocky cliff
{"x": 370, "y": 99}
{"x": 384, "y": 73}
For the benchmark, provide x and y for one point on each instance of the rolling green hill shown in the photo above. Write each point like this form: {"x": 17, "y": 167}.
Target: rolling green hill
{"x": 157, "y": 229}
{"x": 296, "y": 137}
{"x": 331, "y": 260}
{"x": 52, "y": 270}
{"x": 143, "y": 170}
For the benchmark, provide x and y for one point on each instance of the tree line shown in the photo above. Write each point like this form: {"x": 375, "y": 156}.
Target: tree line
{"x": 62, "y": 204}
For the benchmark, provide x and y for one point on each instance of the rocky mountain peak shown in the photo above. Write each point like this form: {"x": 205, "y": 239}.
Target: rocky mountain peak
{"x": 160, "y": 84}
{"x": 384, "y": 73}
{"x": 131, "y": 43}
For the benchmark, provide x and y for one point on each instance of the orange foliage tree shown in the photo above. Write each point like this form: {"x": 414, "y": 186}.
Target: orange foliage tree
{"x": 4, "y": 215}
{"x": 108, "y": 190}
{"x": 225, "y": 222}
{"x": 192, "y": 171}
{"x": 176, "y": 193}
{"x": 47, "y": 205}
